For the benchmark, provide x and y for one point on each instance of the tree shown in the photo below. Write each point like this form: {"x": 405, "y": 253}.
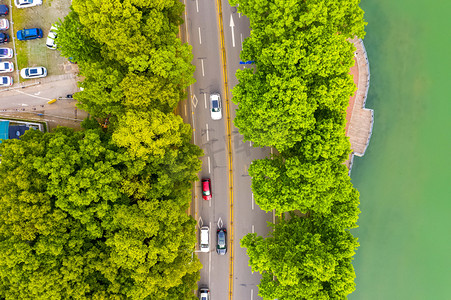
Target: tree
{"x": 287, "y": 184}
{"x": 74, "y": 41}
{"x": 70, "y": 227}
{"x": 302, "y": 63}
{"x": 302, "y": 261}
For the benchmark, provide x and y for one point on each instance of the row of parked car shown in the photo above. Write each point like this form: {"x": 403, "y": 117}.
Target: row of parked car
{"x": 22, "y": 35}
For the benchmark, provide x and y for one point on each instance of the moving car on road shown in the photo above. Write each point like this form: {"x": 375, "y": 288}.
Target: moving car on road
{"x": 6, "y": 67}
{"x": 215, "y": 106}
{"x": 204, "y": 239}
{"x": 29, "y": 34}
{"x": 206, "y": 189}
{"x": 6, "y": 53}
{"x": 204, "y": 294}
{"x": 51, "y": 43}
{"x": 27, "y": 3}
{"x": 221, "y": 245}
{"x": 35, "y": 72}
{"x": 6, "y": 81}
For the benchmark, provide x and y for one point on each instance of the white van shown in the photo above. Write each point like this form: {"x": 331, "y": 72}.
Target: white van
{"x": 205, "y": 239}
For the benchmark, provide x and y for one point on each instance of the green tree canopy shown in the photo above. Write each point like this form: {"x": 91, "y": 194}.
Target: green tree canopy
{"x": 301, "y": 260}
{"x": 302, "y": 62}
{"x": 73, "y": 226}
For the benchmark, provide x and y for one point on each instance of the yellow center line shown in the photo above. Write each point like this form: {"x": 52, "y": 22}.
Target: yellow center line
{"x": 229, "y": 145}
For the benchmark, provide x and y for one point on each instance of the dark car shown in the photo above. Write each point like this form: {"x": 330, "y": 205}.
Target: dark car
{"x": 4, "y": 10}
{"x": 29, "y": 34}
{"x": 206, "y": 189}
{"x": 4, "y": 38}
{"x": 221, "y": 245}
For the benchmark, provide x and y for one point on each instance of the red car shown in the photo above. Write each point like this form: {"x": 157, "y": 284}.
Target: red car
{"x": 206, "y": 189}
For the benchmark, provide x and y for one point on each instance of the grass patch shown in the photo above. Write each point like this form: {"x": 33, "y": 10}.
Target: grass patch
{"x": 20, "y": 19}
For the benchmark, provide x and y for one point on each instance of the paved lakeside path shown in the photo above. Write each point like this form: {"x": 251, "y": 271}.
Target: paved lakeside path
{"x": 359, "y": 119}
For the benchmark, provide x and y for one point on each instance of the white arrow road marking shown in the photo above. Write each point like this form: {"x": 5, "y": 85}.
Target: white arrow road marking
{"x": 232, "y": 25}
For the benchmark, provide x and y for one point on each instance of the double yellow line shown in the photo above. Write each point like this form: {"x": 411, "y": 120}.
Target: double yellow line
{"x": 229, "y": 144}
{"x": 229, "y": 139}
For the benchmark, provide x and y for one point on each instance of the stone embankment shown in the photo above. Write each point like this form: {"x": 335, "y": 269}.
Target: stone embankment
{"x": 359, "y": 124}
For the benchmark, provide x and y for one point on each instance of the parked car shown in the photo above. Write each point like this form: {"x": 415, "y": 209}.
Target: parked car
{"x": 27, "y": 3}
{"x": 4, "y": 38}
{"x": 221, "y": 245}
{"x": 206, "y": 189}
{"x": 4, "y": 10}
{"x": 215, "y": 106}
{"x": 4, "y": 24}
{"x": 6, "y": 53}
{"x": 204, "y": 294}
{"x": 205, "y": 239}
{"x": 51, "y": 37}
{"x": 6, "y": 81}
{"x": 6, "y": 67}
{"x": 29, "y": 34}
{"x": 35, "y": 72}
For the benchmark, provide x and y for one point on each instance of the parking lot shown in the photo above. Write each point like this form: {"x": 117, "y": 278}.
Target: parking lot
{"x": 32, "y": 95}
{"x": 34, "y": 52}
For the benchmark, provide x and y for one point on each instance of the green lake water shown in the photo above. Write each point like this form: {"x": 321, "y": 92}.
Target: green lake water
{"x": 404, "y": 178}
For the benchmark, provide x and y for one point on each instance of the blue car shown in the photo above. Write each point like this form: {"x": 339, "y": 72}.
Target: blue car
{"x": 29, "y": 34}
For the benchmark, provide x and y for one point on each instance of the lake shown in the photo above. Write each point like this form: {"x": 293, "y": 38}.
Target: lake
{"x": 404, "y": 179}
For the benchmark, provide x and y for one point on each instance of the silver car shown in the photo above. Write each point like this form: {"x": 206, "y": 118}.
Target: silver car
{"x": 215, "y": 106}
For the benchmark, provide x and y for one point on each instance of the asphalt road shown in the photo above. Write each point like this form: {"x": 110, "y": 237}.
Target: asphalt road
{"x": 202, "y": 31}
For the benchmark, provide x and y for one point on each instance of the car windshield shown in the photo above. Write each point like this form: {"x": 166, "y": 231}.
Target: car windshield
{"x": 221, "y": 239}
{"x": 215, "y": 105}
{"x": 5, "y": 80}
{"x": 3, "y": 51}
{"x": 206, "y": 193}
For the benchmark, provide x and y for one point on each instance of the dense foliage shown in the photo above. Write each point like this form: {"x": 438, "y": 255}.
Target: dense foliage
{"x": 295, "y": 100}
{"x": 101, "y": 213}
{"x": 302, "y": 260}
{"x": 80, "y": 218}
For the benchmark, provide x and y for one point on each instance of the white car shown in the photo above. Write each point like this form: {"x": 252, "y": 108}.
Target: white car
{"x": 6, "y": 81}
{"x": 205, "y": 239}
{"x": 6, "y": 67}
{"x": 215, "y": 106}
{"x": 35, "y": 72}
{"x": 204, "y": 294}
{"x": 27, "y": 3}
{"x": 6, "y": 53}
{"x": 4, "y": 24}
{"x": 51, "y": 43}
